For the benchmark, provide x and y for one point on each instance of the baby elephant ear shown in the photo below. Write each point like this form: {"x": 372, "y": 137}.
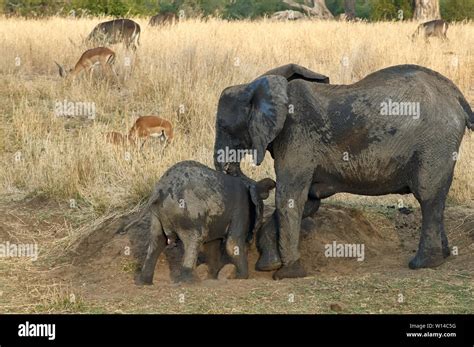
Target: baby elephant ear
{"x": 264, "y": 186}
{"x": 295, "y": 71}
{"x": 259, "y": 192}
{"x": 268, "y": 110}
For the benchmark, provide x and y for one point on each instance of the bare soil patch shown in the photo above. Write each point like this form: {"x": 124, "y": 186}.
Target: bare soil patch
{"x": 95, "y": 272}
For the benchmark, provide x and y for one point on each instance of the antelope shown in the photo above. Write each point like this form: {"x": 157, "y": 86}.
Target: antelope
{"x": 435, "y": 28}
{"x": 153, "y": 126}
{"x": 164, "y": 19}
{"x": 102, "y": 56}
{"x": 115, "y": 31}
{"x": 116, "y": 138}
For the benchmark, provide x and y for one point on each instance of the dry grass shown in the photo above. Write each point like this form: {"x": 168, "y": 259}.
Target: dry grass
{"x": 188, "y": 64}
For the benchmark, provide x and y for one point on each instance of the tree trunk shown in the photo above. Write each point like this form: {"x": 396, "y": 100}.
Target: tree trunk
{"x": 349, "y": 9}
{"x": 426, "y": 9}
{"x": 312, "y": 8}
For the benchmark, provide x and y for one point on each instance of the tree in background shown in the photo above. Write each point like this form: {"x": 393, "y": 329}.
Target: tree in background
{"x": 450, "y": 10}
{"x": 456, "y": 10}
{"x": 390, "y": 10}
{"x": 426, "y": 10}
{"x": 312, "y": 8}
{"x": 363, "y": 8}
{"x": 350, "y": 9}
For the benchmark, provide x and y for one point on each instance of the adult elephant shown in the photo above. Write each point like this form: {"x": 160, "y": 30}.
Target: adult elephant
{"x": 398, "y": 130}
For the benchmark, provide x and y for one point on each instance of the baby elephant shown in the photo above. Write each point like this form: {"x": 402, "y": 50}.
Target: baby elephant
{"x": 201, "y": 206}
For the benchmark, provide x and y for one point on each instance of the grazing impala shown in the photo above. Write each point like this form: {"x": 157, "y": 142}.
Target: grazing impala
{"x": 115, "y": 31}
{"x": 154, "y": 126}
{"x": 161, "y": 19}
{"x": 102, "y": 56}
{"x": 433, "y": 28}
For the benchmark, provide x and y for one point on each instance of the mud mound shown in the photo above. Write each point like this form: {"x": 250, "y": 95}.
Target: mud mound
{"x": 331, "y": 224}
{"x": 389, "y": 239}
{"x": 335, "y": 227}
{"x": 92, "y": 244}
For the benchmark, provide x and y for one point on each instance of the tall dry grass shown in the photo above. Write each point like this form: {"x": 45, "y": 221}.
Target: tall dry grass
{"x": 189, "y": 65}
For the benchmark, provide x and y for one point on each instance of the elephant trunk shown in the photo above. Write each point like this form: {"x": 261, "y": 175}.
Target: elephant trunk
{"x": 224, "y": 161}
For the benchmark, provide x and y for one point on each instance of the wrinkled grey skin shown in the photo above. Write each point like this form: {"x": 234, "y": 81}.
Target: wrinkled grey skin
{"x": 115, "y": 31}
{"x": 201, "y": 206}
{"x": 385, "y": 154}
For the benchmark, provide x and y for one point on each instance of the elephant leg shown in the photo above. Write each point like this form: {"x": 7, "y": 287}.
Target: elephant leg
{"x": 156, "y": 245}
{"x": 311, "y": 207}
{"x": 444, "y": 241}
{"x": 291, "y": 196}
{"x": 214, "y": 261}
{"x": 433, "y": 246}
{"x": 267, "y": 238}
{"x": 236, "y": 248}
{"x": 174, "y": 256}
{"x": 430, "y": 252}
{"x": 267, "y": 245}
{"x": 192, "y": 243}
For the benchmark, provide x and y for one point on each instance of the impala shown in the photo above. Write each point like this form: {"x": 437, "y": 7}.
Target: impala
{"x": 115, "y": 31}
{"x": 102, "y": 56}
{"x": 166, "y": 18}
{"x": 436, "y": 28}
{"x": 153, "y": 126}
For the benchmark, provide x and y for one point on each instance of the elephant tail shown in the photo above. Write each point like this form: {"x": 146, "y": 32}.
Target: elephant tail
{"x": 470, "y": 121}
{"x": 469, "y": 113}
{"x": 124, "y": 227}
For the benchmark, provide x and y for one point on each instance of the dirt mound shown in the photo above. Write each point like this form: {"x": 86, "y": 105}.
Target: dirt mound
{"x": 389, "y": 239}
{"x": 332, "y": 224}
{"x": 335, "y": 227}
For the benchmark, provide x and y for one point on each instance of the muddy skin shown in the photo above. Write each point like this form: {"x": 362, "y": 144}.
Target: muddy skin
{"x": 292, "y": 270}
{"x": 267, "y": 237}
{"x": 337, "y": 139}
{"x": 213, "y": 253}
{"x": 201, "y": 208}
{"x": 186, "y": 276}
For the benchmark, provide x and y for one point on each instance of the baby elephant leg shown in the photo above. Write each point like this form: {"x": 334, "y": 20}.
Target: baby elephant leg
{"x": 214, "y": 259}
{"x": 157, "y": 244}
{"x": 174, "y": 257}
{"x": 192, "y": 243}
{"x": 237, "y": 250}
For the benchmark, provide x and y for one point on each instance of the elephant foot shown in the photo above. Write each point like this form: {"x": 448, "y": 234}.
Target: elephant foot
{"x": 268, "y": 262}
{"x": 141, "y": 280}
{"x": 241, "y": 275}
{"x": 186, "y": 276}
{"x": 428, "y": 259}
{"x": 292, "y": 270}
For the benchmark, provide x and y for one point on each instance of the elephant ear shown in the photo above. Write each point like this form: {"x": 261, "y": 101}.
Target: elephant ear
{"x": 294, "y": 71}
{"x": 268, "y": 110}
